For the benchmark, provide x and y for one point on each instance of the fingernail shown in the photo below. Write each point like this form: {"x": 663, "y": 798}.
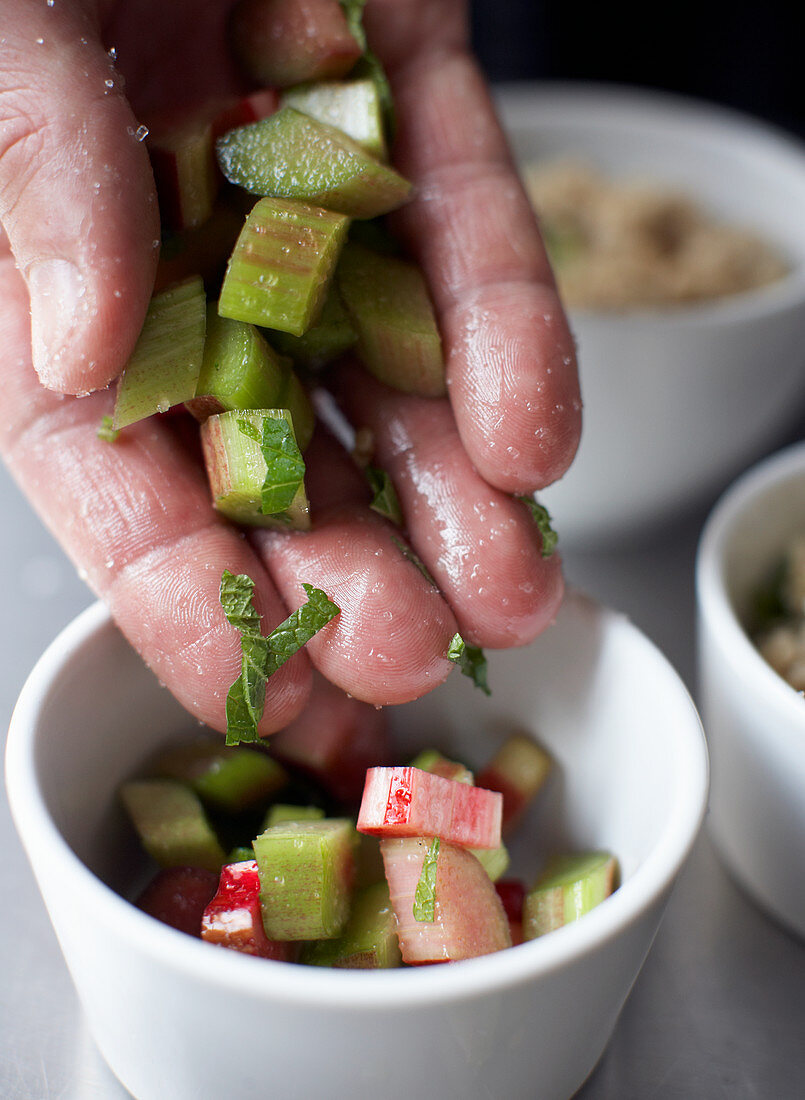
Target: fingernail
{"x": 56, "y": 288}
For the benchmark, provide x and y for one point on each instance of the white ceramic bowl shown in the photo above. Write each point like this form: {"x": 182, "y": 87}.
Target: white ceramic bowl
{"x": 755, "y": 721}
{"x": 178, "y": 1019}
{"x": 678, "y": 401}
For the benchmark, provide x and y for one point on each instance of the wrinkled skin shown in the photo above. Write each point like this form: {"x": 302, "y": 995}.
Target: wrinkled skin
{"x": 77, "y": 264}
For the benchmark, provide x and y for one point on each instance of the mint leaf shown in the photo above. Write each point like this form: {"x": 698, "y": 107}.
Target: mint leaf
{"x": 414, "y": 559}
{"x": 425, "y": 893}
{"x": 353, "y": 12}
{"x": 285, "y": 467}
{"x": 236, "y": 599}
{"x": 262, "y": 656}
{"x": 385, "y": 500}
{"x": 107, "y": 431}
{"x": 470, "y": 660}
{"x": 541, "y": 516}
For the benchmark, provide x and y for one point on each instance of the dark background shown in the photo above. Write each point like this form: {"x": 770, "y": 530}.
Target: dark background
{"x": 748, "y": 56}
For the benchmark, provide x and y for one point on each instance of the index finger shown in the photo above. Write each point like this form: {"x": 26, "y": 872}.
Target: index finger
{"x": 511, "y": 368}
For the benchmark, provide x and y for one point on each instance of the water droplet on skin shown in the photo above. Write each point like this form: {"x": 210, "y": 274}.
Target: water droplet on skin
{"x": 111, "y": 51}
{"x": 109, "y": 83}
{"x": 40, "y": 41}
{"x": 141, "y": 133}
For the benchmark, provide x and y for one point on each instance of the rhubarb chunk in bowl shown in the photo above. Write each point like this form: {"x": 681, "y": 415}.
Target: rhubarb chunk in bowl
{"x": 177, "y": 1017}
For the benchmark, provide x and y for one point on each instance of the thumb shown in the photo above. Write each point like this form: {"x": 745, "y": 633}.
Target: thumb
{"x": 77, "y": 195}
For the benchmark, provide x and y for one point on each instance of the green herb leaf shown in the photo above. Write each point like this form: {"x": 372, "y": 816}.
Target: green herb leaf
{"x": 285, "y": 467}
{"x": 425, "y": 893}
{"x": 542, "y": 518}
{"x": 107, "y": 432}
{"x": 385, "y": 500}
{"x": 248, "y": 429}
{"x": 470, "y": 660}
{"x": 414, "y": 559}
{"x": 353, "y": 11}
{"x": 262, "y": 656}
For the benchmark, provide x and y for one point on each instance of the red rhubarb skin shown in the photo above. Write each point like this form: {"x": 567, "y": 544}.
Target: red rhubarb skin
{"x": 178, "y": 896}
{"x": 234, "y": 919}
{"x": 409, "y": 802}
{"x": 285, "y": 42}
{"x": 469, "y": 917}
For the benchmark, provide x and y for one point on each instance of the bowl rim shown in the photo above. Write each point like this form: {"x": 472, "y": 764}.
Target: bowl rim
{"x": 357, "y": 990}
{"x": 517, "y": 101}
{"x": 716, "y": 608}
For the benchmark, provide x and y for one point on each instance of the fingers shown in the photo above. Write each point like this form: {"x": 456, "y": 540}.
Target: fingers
{"x": 76, "y": 194}
{"x": 389, "y": 644}
{"x": 480, "y": 545}
{"x": 510, "y": 357}
{"x": 135, "y": 516}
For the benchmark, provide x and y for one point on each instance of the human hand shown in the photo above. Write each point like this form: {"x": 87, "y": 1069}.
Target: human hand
{"x": 78, "y": 207}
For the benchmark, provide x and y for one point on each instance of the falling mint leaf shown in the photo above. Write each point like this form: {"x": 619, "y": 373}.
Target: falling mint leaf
{"x": 470, "y": 660}
{"x": 542, "y": 518}
{"x": 385, "y": 500}
{"x": 262, "y": 656}
{"x": 425, "y": 893}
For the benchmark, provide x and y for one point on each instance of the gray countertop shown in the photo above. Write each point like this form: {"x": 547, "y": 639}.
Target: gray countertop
{"x": 718, "y": 1010}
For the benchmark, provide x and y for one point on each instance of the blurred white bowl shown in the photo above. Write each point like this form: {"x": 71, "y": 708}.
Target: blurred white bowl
{"x": 178, "y": 1019}
{"x": 755, "y": 722}
{"x": 675, "y": 401}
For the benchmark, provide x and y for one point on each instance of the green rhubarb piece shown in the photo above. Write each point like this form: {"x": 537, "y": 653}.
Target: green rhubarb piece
{"x": 431, "y": 760}
{"x": 306, "y": 875}
{"x": 374, "y": 234}
{"x": 281, "y": 812}
{"x": 282, "y": 263}
{"x": 425, "y": 893}
{"x": 164, "y": 367}
{"x": 495, "y": 861}
{"x": 571, "y": 886}
{"x": 171, "y": 823}
{"x": 293, "y": 397}
{"x": 331, "y": 336}
{"x": 227, "y": 778}
{"x": 351, "y": 106}
{"x": 398, "y": 339}
{"x": 369, "y": 940}
{"x": 239, "y": 369}
{"x": 291, "y": 155}
{"x": 245, "y": 487}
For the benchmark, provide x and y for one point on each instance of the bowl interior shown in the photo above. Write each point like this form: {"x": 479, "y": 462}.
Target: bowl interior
{"x": 740, "y": 170}
{"x": 594, "y": 690}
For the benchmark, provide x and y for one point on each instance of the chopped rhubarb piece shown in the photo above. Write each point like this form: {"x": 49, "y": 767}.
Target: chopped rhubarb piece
{"x": 469, "y": 919}
{"x": 495, "y": 861}
{"x": 398, "y": 339}
{"x": 571, "y": 886}
{"x": 238, "y": 472}
{"x": 369, "y": 940}
{"x": 293, "y": 397}
{"x": 291, "y": 155}
{"x": 171, "y": 823}
{"x": 164, "y": 366}
{"x": 431, "y": 760}
{"x": 307, "y": 871}
{"x": 285, "y": 42}
{"x": 331, "y": 335}
{"x": 228, "y": 778}
{"x": 178, "y": 896}
{"x": 410, "y": 802}
{"x": 334, "y": 740}
{"x": 239, "y": 369}
{"x": 518, "y": 770}
{"x": 352, "y": 106}
{"x": 183, "y": 161}
{"x": 282, "y": 812}
{"x": 234, "y": 919}
{"x": 250, "y": 108}
{"x": 282, "y": 264}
